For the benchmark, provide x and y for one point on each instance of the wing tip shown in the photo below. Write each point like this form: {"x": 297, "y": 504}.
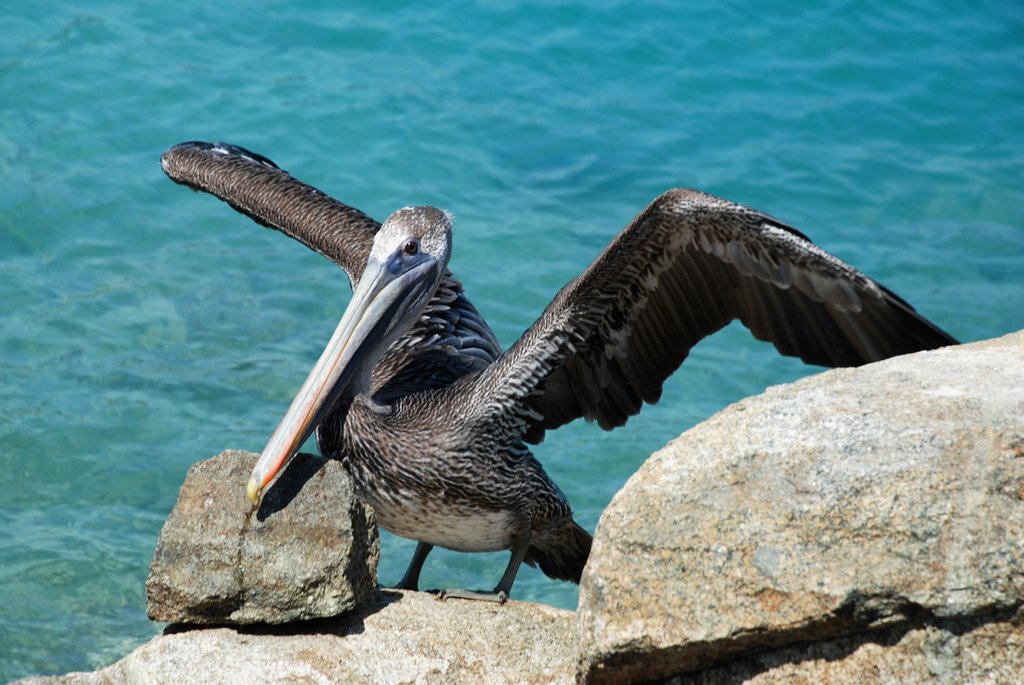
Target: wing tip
{"x": 174, "y": 156}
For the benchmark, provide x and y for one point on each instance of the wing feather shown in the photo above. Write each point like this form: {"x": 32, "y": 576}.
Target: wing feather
{"x": 449, "y": 340}
{"x": 258, "y": 188}
{"x": 681, "y": 270}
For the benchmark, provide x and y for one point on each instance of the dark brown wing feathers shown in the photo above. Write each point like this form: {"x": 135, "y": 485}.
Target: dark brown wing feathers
{"x": 682, "y": 269}
{"x": 258, "y": 188}
{"x": 449, "y": 340}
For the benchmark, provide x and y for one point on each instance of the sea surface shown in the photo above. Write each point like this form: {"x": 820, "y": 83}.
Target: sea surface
{"x": 144, "y": 327}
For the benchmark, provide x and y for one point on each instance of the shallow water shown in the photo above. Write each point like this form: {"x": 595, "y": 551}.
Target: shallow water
{"x": 146, "y": 327}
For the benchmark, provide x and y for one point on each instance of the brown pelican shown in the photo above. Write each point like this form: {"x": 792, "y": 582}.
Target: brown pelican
{"x": 432, "y": 420}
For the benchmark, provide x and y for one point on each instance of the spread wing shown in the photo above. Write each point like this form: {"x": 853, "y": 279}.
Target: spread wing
{"x": 449, "y": 340}
{"x": 258, "y": 188}
{"x": 686, "y": 266}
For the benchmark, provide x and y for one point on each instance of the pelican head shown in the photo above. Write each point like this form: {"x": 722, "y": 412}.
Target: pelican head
{"x": 408, "y": 258}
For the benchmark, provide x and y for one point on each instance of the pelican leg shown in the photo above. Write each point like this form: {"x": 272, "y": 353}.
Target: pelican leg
{"x": 411, "y": 579}
{"x": 500, "y": 594}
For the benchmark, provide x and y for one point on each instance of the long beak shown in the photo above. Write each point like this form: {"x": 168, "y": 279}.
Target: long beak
{"x": 382, "y": 300}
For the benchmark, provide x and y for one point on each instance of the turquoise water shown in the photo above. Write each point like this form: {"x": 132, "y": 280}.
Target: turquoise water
{"x": 145, "y": 327}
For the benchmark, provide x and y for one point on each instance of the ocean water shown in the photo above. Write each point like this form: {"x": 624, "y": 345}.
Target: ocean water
{"x": 145, "y": 327}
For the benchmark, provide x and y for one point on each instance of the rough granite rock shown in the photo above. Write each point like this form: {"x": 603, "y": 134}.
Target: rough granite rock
{"x": 396, "y": 637}
{"x": 309, "y": 551}
{"x": 860, "y": 526}
{"x": 867, "y": 510}
{"x": 985, "y": 649}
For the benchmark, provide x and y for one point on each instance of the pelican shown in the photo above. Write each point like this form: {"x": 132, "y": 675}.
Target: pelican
{"x": 432, "y": 419}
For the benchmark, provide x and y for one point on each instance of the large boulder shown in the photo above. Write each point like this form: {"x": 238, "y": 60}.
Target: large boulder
{"x": 309, "y": 550}
{"x": 877, "y": 512}
{"x": 396, "y": 637}
{"x": 987, "y": 649}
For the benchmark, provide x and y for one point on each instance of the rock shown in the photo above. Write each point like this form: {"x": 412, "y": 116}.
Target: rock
{"x": 980, "y": 650}
{"x": 396, "y": 637}
{"x": 877, "y": 511}
{"x": 863, "y": 525}
{"x": 309, "y": 551}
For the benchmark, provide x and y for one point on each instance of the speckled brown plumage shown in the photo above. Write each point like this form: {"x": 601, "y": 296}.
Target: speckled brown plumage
{"x": 436, "y": 439}
{"x": 450, "y": 338}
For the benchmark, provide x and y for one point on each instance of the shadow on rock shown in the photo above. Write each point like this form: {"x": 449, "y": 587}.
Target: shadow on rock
{"x": 289, "y": 484}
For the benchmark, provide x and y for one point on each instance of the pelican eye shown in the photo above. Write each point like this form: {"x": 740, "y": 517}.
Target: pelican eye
{"x": 411, "y": 247}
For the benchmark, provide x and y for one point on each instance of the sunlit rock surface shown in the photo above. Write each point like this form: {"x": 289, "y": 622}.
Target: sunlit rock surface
{"x": 309, "y": 551}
